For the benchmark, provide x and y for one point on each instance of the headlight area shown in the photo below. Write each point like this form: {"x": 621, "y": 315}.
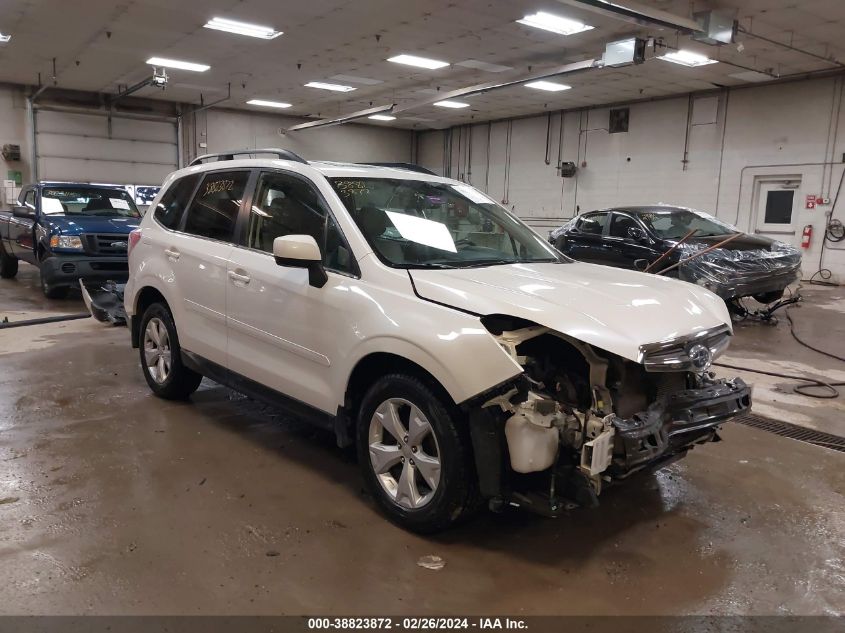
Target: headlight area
{"x": 579, "y": 418}
{"x": 66, "y": 242}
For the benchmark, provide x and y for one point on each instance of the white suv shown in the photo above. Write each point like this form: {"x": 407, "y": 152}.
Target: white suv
{"x": 415, "y": 317}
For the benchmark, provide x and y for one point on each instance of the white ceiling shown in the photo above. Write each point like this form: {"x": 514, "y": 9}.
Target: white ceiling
{"x": 101, "y": 45}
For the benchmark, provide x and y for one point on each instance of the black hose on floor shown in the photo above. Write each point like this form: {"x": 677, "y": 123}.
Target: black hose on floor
{"x": 53, "y": 319}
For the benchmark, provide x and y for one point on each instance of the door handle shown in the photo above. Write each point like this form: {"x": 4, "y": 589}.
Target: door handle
{"x": 238, "y": 278}
{"x": 172, "y": 254}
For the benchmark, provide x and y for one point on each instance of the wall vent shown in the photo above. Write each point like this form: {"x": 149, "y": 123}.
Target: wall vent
{"x": 618, "y": 120}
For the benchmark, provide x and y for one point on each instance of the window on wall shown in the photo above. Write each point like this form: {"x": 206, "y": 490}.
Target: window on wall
{"x": 779, "y": 207}
{"x": 618, "y": 120}
{"x": 215, "y": 207}
{"x": 286, "y": 205}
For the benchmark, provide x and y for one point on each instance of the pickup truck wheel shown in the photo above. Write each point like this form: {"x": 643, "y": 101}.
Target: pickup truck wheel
{"x": 415, "y": 461}
{"x": 52, "y": 292}
{"x": 161, "y": 356}
{"x": 8, "y": 264}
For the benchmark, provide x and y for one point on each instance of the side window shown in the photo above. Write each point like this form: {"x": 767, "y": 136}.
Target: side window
{"x": 29, "y": 199}
{"x": 285, "y": 205}
{"x": 593, "y": 224}
{"x": 214, "y": 210}
{"x": 620, "y": 224}
{"x": 172, "y": 205}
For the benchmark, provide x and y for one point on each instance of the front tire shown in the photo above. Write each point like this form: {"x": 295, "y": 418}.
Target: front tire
{"x": 413, "y": 455}
{"x": 51, "y": 292}
{"x": 8, "y": 264}
{"x": 161, "y": 356}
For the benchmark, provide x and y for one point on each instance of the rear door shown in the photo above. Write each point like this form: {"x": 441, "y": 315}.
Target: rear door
{"x": 585, "y": 242}
{"x": 199, "y": 255}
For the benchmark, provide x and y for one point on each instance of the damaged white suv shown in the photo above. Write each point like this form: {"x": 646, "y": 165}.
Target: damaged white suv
{"x": 414, "y": 316}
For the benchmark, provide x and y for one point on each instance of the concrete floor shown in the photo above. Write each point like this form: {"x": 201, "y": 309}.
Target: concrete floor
{"x": 115, "y": 502}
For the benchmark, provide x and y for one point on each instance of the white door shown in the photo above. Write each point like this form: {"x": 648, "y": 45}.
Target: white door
{"x": 776, "y": 209}
{"x": 282, "y": 332}
{"x": 200, "y": 255}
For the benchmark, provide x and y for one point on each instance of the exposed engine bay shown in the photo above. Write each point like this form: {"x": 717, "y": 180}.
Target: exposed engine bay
{"x": 580, "y": 418}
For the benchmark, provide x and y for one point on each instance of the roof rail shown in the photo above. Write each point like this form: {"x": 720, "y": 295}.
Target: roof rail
{"x": 409, "y": 166}
{"x": 284, "y": 154}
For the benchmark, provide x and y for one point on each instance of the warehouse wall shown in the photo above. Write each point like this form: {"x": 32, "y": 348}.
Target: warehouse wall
{"x": 735, "y": 137}
{"x": 230, "y": 129}
{"x": 13, "y": 130}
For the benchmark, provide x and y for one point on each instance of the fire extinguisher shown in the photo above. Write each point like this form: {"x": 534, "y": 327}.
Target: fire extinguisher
{"x": 806, "y": 235}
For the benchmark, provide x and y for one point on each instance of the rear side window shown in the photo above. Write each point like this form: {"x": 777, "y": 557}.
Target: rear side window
{"x": 215, "y": 207}
{"x": 172, "y": 205}
{"x": 592, "y": 224}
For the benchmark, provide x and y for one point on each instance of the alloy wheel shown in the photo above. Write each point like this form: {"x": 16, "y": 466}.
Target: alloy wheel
{"x": 404, "y": 453}
{"x": 157, "y": 350}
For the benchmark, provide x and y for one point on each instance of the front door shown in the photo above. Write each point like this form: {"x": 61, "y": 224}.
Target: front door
{"x": 282, "y": 332}
{"x": 22, "y": 230}
{"x": 776, "y": 209}
{"x": 625, "y": 246}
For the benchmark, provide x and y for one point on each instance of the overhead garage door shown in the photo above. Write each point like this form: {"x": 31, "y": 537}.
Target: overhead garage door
{"x": 80, "y": 147}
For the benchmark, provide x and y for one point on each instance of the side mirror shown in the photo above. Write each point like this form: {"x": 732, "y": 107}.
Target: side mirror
{"x": 301, "y": 251}
{"x": 641, "y": 264}
{"x": 636, "y": 233}
{"x": 21, "y": 211}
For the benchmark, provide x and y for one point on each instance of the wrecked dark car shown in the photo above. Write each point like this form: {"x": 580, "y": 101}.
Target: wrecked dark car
{"x": 636, "y": 237}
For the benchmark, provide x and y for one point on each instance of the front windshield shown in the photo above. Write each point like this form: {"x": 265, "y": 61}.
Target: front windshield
{"x": 419, "y": 224}
{"x": 93, "y": 201}
{"x": 672, "y": 224}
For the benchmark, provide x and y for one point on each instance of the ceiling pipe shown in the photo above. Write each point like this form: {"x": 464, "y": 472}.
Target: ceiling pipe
{"x": 214, "y": 103}
{"x": 158, "y": 78}
{"x": 638, "y": 14}
{"x": 829, "y": 60}
{"x": 360, "y": 114}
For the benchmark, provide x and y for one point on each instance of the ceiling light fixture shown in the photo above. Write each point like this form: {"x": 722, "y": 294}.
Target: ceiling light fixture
{"x": 554, "y": 23}
{"x": 451, "y": 104}
{"x": 549, "y": 86}
{"x": 419, "y": 62}
{"x": 325, "y": 86}
{"x": 4, "y": 38}
{"x": 382, "y": 117}
{"x": 242, "y": 28}
{"x": 268, "y": 104}
{"x": 687, "y": 58}
{"x": 175, "y": 63}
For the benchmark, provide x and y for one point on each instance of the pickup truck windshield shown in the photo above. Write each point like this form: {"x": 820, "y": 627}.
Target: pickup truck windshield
{"x": 419, "y": 224}
{"x": 84, "y": 201}
{"x": 672, "y": 224}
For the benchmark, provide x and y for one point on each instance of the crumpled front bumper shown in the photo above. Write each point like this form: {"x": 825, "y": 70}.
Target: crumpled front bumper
{"x": 674, "y": 423}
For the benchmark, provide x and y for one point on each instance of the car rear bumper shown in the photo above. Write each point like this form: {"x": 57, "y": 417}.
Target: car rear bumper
{"x": 67, "y": 270}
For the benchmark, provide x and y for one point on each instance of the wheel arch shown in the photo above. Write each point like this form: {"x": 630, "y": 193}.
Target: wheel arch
{"x": 145, "y": 297}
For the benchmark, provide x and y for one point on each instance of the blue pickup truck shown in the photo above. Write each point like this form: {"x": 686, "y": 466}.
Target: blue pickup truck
{"x": 71, "y": 231}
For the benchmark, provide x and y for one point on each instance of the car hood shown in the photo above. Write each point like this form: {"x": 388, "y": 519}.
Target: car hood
{"x": 613, "y": 309}
{"x": 78, "y": 224}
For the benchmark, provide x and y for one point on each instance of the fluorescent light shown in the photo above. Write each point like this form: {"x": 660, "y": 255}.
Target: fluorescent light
{"x": 687, "y": 58}
{"x": 554, "y": 23}
{"x": 419, "y": 62}
{"x": 452, "y": 104}
{"x": 325, "y": 86}
{"x": 268, "y": 104}
{"x": 4, "y": 38}
{"x": 242, "y": 28}
{"x": 549, "y": 86}
{"x": 175, "y": 63}
{"x": 382, "y": 117}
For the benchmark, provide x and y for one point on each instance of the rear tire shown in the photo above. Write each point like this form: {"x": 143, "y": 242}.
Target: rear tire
{"x": 51, "y": 292}
{"x": 420, "y": 472}
{"x": 8, "y": 264}
{"x": 161, "y": 356}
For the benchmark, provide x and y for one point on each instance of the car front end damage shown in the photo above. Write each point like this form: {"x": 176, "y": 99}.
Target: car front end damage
{"x": 579, "y": 418}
